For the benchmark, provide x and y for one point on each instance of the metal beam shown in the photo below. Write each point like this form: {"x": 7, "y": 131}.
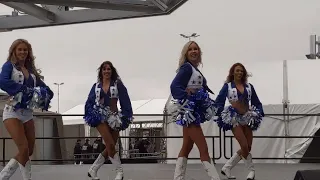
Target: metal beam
{"x": 160, "y": 4}
{"x": 68, "y": 17}
{"x": 9, "y": 23}
{"x": 33, "y": 10}
{"x": 167, "y": 2}
{"x": 123, "y": 5}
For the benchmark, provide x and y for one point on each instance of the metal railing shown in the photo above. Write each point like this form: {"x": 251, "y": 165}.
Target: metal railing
{"x": 222, "y": 149}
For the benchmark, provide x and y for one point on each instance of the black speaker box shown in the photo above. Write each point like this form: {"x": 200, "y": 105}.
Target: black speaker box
{"x": 307, "y": 175}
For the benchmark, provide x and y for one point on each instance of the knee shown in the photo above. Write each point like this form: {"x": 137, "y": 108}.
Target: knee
{"x": 111, "y": 148}
{"x": 24, "y": 150}
{"x": 185, "y": 150}
{"x": 30, "y": 151}
{"x": 245, "y": 148}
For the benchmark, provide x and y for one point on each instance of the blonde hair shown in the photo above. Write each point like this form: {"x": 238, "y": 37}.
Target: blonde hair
{"x": 29, "y": 62}
{"x": 184, "y": 51}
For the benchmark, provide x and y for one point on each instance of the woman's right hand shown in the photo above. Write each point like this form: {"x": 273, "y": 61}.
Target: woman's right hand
{"x": 190, "y": 91}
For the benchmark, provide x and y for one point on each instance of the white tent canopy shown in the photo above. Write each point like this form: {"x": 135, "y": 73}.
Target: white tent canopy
{"x": 150, "y": 106}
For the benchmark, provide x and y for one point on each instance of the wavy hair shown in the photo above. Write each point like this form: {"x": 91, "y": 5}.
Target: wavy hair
{"x": 29, "y": 61}
{"x": 230, "y": 76}
{"x": 114, "y": 73}
{"x": 184, "y": 51}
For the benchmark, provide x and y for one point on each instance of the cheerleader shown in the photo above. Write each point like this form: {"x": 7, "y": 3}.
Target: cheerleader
{"x": 21, "y": 80}
{"x": 101, "y": 112}
{"x": 193, "y": 106}
{"x": 240, "y": 117}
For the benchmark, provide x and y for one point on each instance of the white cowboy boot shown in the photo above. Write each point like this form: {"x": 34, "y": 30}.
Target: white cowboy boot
{"x": 116, "y": 161}
{"x": 211, "y": 170}
{"x": 9, "y": 169}
{"x": 248, "y": 163}
{"x": 226, "y": 169}
{"x": 93, "y": 170}
{"x": 181, "y": 166}
{"x": 26, "y": 170}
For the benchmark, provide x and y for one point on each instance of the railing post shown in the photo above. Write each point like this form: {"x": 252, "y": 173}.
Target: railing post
{"x": 4, "y": 151}
{"x": 213, "y": 158}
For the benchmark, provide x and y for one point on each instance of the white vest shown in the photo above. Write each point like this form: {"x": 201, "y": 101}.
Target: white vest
{"x": 18, "y": 77}
{"x": 196, "y": 79}
{"x": 233, "y": 94}
{"x": 113, "y": 92}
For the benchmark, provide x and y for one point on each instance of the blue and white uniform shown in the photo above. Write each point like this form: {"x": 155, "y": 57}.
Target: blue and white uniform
{"x": 97, "y": 112}
{"x": 229, "y": 116}
{"x": 197, "y": 107}
{"x": 21, "y": 90}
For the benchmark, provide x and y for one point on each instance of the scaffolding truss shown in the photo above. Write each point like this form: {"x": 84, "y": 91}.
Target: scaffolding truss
{"x": 43, "y": 13}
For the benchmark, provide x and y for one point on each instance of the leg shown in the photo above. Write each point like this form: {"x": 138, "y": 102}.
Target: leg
{"x": 181, "y": 165}
{"x": 238, "y": 133}
{"x": 13, "y": 164}
{"x": 248, "y": 161}
{"x": 197, "y": 136}
{"x": 30, "y": 135}
{"x": 116, "y": 159}
{"x": 226, "y": 169}
{"x": 29, "y": 132}
{"x": 16, "y": 130}
{"x": 106, "y": 133}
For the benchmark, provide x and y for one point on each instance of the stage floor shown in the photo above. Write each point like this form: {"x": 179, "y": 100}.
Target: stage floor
{"x": 162, "y": 172}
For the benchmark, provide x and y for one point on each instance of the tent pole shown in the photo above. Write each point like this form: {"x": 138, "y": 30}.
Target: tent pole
{"x": 285, "y": 103}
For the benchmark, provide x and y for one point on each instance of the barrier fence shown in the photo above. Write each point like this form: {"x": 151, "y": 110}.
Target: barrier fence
{"x": 161, "y": 156}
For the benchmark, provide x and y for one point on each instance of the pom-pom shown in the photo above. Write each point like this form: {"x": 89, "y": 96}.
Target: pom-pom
{"x": 227, "y": 118}
{"x": 254, "y": 117}
{"x": 197, "y": 109}
{"x": 94, "y": 115}
{"x": 118, "y": 121}
{"x": 230, "y": 117}
{"x": 40, "y": 99}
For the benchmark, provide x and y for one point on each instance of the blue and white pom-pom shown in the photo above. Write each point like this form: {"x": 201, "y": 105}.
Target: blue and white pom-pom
{"x": 95, "y": 114}
{"x": 118, "y": 121}
{"x": 197, "y": 109}
{"x": 227, "y": 118}
{"x": 230, "y": 117}
{"x": 254, "y": 117}
{"x": 40, "y": 99}
{"x": 33, "y": 98}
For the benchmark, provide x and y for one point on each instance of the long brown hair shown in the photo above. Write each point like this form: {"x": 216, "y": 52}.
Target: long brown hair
{"x": 29, "y": 62}
{"x": 114, "y": 73}
{"x": 230, "y": 77}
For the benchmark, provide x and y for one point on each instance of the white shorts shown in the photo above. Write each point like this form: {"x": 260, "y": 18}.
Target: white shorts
{"x": 23, "y": 115}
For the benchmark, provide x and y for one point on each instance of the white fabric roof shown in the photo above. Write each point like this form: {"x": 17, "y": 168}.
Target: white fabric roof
{"x": 149, "y": 106}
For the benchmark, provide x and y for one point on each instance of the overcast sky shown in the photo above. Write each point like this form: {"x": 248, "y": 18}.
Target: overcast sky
{"x": 145, "y": 51}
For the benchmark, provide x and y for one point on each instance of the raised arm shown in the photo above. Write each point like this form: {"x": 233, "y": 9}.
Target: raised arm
{"x": 255, "y": 100}
{"x": 221, "y": 98}
{"x": 180, "y": 82}
{"x": 6, "y": 83}
{"x": 125, "y": 102}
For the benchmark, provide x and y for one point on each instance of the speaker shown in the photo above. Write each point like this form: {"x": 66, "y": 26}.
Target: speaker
{"x": 307, "y": 175}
